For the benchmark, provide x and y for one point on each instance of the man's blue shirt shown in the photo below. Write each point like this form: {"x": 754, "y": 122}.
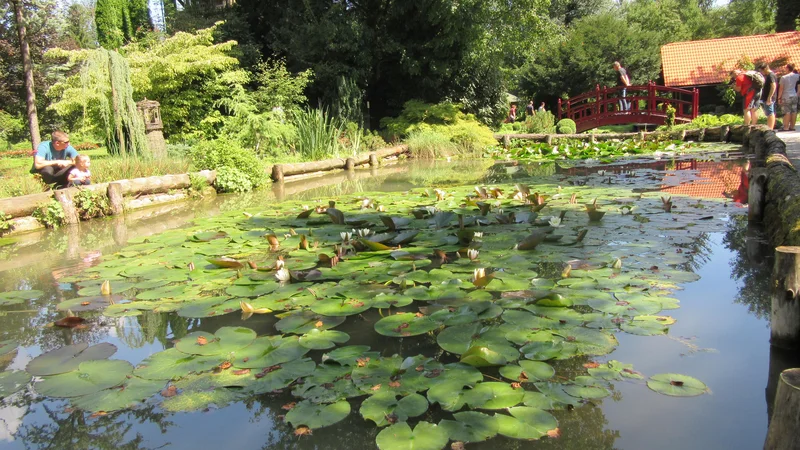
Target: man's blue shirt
{"x": 46, "y": 151}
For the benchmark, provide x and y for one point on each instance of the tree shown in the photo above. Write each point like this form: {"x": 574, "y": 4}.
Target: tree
{"x": 119, "y": 22}
{"x": 25, "y": 52}
{"x": 80, "y": 28}
{"x": 787, "y": 15}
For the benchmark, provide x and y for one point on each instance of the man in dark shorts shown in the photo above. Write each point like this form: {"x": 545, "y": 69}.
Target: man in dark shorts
{"x": 54, "y": 160}
{"x": 768, "y": 93}
{"x": 624, "y": 81}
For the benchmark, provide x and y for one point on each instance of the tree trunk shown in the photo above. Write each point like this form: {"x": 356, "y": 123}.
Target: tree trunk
{"x": 27, "y": 65}
{"x": 783, "y": 428}
{"x": 115, "y": 107}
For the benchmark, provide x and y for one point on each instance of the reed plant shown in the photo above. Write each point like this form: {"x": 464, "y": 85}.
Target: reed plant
{"x": 125, "y": 168}
{"x": 317, "y": 134}
{"x": 430, "y": 144}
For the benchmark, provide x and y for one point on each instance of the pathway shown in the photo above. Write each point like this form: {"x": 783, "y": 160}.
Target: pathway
{"x": 792, "y": 140}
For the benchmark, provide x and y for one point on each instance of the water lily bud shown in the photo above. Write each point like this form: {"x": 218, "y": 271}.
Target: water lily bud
{"x": 364, "y": 232}
{"x": 105, "y": 288}
{"x": 283, "y": 275}
{"x": 478, "y": 273}
{"x": 617, "y": 264}
{"x": 477, "y": 234}
{"x": 472, "y": 254}
{"x": 279, "y": 264}
{"x": 555, "y": 222}
{"x": 346, "y": 236}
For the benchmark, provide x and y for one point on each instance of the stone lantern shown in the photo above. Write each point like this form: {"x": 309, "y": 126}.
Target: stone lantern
{"x": 150, "y": 112}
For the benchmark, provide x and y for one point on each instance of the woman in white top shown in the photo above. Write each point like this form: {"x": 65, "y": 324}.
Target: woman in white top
{"x": 787, "y": 97}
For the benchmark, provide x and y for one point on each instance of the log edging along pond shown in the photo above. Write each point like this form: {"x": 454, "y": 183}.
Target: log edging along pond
{"x": 280, "y": 171}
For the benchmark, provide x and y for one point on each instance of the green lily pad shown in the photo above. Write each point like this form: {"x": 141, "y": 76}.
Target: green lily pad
{"x": 494, "y": 395}
{"x": 15, "y": 297}
{"x": 117, "y": 286}
{"x": 81, "y": 304}
{"x": 626, "y": 308}
{"x": 317, "y": 416}
{"x": 172, "y": 364}
{"x": 470, "y": 426}
{"x": 588, "y": 392}
{"x": 188, "y": 401}
{"x": 341, "y": 306}
{"x": 391, "y": 301}
{"x": 425, "y": 436}
{"x": 8, "y": 346}
{"x": 528, "y": 371}
{"x": 525, "y": 423}
{"x": 90, "y": 377}
{"x": 676, "y": 385}
{"x": 383, "y": 405}
{"x": 346, "y": 356}
{"x": 323, "y": 339}
{"x": 405, "y": 324}
{"x": 301, "y": 322}
{"x": 268, "y": 351}
{"x": 68, "y": 358}
{"x": 132, "y": 393}
{"x": 225, "y": 340}
{"x": 12, "y": 381}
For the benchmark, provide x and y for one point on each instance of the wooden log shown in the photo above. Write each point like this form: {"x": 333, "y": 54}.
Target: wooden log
{"x": 373, "y": 159}
{"x": 784, "y": 428}
{"x": 642, "y": 136}
{"x": 724, "y": 133}
{"x": 549, "y": 139}
{"x": 289, "y": 187}
{"x": 384, "y": 153}
{"x": 737, "y": 134}
{"x": 24, "y": 205}
{"x": 349, "y": 164}
{"x": 780, "y": 359}
{"x": 64, "y": 197}
{"x": 785, "y": 314}
{"x": 277, "y": 173}
{"x": 506, "y": 141}
{"x": 756, "y": 194}
{"x": 692, "y": 135}
{"x": 115, "y": 198}
{"x": 701, "y": 137}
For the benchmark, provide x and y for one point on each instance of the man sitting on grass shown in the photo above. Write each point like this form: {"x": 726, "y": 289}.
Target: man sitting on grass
{"x": 54, "y": 160}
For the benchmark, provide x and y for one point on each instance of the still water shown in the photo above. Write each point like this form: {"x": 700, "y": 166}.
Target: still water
{"x": 721, "y": 336}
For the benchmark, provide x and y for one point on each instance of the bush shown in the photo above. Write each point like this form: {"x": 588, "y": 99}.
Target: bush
{"x": 416, "y": 112}
{"x": 372, "y": 141}
{"x": 470, "y": 136}
{"x": 231, "y": 179}
{"x": 566, "y": 126}
{"x": 541, "y": 123}
{"x": 50, "y": 215}
{"x": 91, "y": 204}
{"x": 428, "y": 143}
{"x": 216, "y": 154}
{"x": 6, "y": 226}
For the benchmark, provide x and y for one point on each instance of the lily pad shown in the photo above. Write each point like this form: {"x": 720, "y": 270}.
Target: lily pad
{"x": 90, "y": 377}
{"x": 317, "y": 416}
{"x": 341, "y": 306}
{"x": 528, "y": 371}
{"x": 301, "y": 322}
{"x": 8, "y": 346}
{"x": 470, "y": 426}
{"x": 81, "y": 304}
{"x": 12, "y": 381}
{"x": 425, "y": 436}
{"x": 198, "y": 400}
{"x": 346, "y": 356}
{"x": 525, "y": 423}
{"x": 676, "y": 385}
{"x": 405, "y": 324}
{"x": 225, "y": 340}
{"x": 68, "y": 358}
{"x": 383, "y": 405}
{"x": 268, "y": 351}
{"x": 172, "y": 364}
{"x": 15, "y": 297}
{"x": 132, "y": 393}
{"x": 323, "y": 339}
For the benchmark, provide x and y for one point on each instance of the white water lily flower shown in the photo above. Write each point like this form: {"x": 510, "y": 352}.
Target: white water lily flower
{"x": 279, "y": 264}
{"x": 601, "y": 173}
{"x": 477, "y": 234}
{"x": 555, "y": 150}
{"x": 283, "y": 275}
{"x": 479, "y": 273}
{"x": 364, "y": 232}
{"x": 346, "y": 236}
{"x": 555, "y": 222}
{"x": 472, "y": 254}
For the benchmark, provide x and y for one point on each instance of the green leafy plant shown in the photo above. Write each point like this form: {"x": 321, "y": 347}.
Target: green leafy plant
{"x": 428, "y": 143}
{"x": 197, "y": 183}
{"x": 91, "y": 204}
{"x": 670, "y": 112}
{"x": 231, "y": 179}
{"x": 566, "y": 126}
{"x": 50, "y": 214}
{"x": 541, "y": 122}
{"x": 6, "y": 226}
{"x": 223, "y": 152}
{"x": 317, "y": 134}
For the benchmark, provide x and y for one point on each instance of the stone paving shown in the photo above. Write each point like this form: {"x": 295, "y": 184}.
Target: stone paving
{"x": 792, "y": 140}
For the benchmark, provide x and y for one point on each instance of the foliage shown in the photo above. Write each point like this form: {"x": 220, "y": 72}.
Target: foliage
{"x": 541, "y": 122}
{"x": 105, "y": 169}
{"x": 98, "y": 98}
{"x": 80, "y": 27}
{"x": 213, "y": 155}
{"x": 566, "y": 126}
{"x": 787, "y": 15}
{"x": 10, "y": 126}
{"x": 231, "y": 179}
{"x": 50, "y": 214}
{"x": 603, "y": 151}
{"x": 317, "y": 134}
{"x": 427, "y": 143}
{"x": 670, "y": 113}
{"x": 198, "y": 183}
{"x": 120, "y": 21}
{"x": 417, "y": 112}
{"x": 6, "y": 225}
{"x": 279, "y": 88}
{"x": 91, "y": 204}
{"x": 188, "y": 74}
{"x": 709, "y": 120}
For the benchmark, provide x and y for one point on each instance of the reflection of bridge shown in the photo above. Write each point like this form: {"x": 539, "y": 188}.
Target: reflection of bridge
{"x": 647, "y": 106}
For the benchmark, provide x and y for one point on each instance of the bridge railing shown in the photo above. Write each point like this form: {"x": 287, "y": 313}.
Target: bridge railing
{"x": 603, "y": 106}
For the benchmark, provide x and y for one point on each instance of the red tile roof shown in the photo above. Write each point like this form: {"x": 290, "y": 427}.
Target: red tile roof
{"x": 696, "y": 63}
{"x": 714, "y": 180}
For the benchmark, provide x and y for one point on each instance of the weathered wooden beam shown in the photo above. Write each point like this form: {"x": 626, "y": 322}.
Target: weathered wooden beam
{"x": 784, "y": 428}
{"x": 115, "y": 198}
{"x": 785, "y": 314}
{"x": 64, "y": 197}
{"x": 756, "y": 195}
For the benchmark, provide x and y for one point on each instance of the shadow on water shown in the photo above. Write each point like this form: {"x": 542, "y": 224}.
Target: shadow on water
{"x": 40, "y": 260}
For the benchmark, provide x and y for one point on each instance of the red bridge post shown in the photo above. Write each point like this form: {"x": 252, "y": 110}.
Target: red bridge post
{"x": 695, "y": 103}
{"x": 651, "y": 98}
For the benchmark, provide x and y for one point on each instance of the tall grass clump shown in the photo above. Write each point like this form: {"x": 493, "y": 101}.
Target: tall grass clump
{"x": 128, "y": 167}
{"x": 317, "y": 134}
{"x": 430, "y": 144}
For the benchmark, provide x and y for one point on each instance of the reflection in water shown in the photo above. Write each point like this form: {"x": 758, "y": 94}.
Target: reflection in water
{"x": 753, "y": 266}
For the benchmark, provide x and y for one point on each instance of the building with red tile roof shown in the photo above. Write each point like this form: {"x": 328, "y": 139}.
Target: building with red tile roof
{"x": 709, "y": 62}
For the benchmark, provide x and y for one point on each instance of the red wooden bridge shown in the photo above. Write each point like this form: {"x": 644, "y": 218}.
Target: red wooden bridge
{"x": 646, "y": 105}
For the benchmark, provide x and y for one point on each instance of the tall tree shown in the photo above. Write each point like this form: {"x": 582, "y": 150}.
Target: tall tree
{"x": 787, "y": 16}
{"x": 25, "y": 52}
{"x": 120, "y": 21}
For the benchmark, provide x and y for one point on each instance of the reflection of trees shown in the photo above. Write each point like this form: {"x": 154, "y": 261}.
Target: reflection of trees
{"x": 697, "y": 253}
{"x": 150, "y": 327}
{"x": 505, "y": 173}
{"x": 753, "y": 266}
{"x": 74, "y": 430}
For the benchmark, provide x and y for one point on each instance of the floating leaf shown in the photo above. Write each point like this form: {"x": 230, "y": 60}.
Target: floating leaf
{"x": 676, "y": 385}
{"x": 317, "y": 416}
{"x": 528, "y": 371}
{"x": 68, "y": 358}
{"x": 225, "y": 262}
{"x": 132, "y": 393}
{"x": 8, "y": 346}
{"x": 320, "y": 340}
{"x": 172, "y": 364}
{"x": 90, "y": 377}
{"x": 525, "y": 423}
{"x": 12, "y": 381}
{"x": 405, "y": 324}
{"x": 470, "y": 426}
{"x": 426, "y": 436}
{"x": 379, "y": 407}
{"x": 226, "y": 340}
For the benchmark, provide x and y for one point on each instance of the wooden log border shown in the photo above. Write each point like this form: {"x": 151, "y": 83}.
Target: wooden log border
{"x": 279, "y": 172}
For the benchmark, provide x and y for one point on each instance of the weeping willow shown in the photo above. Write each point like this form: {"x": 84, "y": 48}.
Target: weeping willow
{"x": 106, "y": 85}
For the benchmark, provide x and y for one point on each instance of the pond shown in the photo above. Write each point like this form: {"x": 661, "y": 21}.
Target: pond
{"x": 573, "y": 333}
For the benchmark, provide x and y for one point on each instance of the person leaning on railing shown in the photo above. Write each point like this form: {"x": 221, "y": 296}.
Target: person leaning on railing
{"x": 54, "y": 159}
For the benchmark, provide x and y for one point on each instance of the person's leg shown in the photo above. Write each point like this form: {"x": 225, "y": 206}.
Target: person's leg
{"x": 769, "y": 111}
{"x": 786, "y": 110}
{"x": 60, "y": 176}
{"x": 795, "y": 103}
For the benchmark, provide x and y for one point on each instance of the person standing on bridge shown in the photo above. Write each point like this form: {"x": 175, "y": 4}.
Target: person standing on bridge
{"x": 787, "y": 97}
{"x": 624, "y": 81}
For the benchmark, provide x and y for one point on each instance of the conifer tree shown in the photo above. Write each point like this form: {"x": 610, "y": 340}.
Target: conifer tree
{"x": 119, "y": 21}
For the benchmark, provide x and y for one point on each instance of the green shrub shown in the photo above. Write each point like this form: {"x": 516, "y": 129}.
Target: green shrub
{"x": 429, "y": 143}
{"x": 566, "y": 126}
{"x": 50, "y": 214}
{"x": 91, "y": 204}
{"x": 231, "y": 179}
{"x": 223, "y": 152}
{"x": 471, "y": 136}
{"x": 6, "y": 225}
{"x": 372, "y": 141}
{"x": 416, "y": 112}
{"x": 541, "y": 123}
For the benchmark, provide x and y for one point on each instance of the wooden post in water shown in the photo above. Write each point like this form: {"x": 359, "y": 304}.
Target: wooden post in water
{"x": 724, "y": 133}
{"x": 64, "y": 196}
{"x": 507, "y": 138}
{"x": 785, "y": 424}
{"x": 785, "y": 315}
{"x": 373, "y": 159}
{"x": 277, "y": 172}
{"x": 115, "y": 199}
{"x": 349, "y": 164}
{"x": 757, "y": 193}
